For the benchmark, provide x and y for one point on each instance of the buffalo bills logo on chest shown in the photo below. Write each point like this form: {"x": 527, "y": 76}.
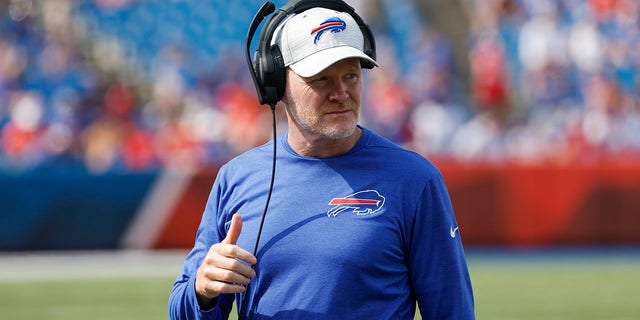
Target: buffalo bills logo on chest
{"x": 361, "y": 203}
{"x": 334, "y": 25}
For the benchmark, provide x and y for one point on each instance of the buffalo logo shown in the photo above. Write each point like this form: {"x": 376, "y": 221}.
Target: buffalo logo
{"x": 334, "y": 25}
{"x": 361, "y": 203}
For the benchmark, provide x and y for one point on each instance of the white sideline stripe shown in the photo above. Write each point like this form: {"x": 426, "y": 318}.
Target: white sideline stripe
{"x": 152, "y": 216}
{"x": 55, "y": 265}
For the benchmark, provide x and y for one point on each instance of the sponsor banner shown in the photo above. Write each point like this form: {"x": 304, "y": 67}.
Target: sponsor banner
{"x": 495, "y": 205}
{"x": 585, "y": 204}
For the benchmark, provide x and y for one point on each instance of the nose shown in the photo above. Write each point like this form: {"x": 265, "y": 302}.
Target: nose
{"x": 339, "y": 92}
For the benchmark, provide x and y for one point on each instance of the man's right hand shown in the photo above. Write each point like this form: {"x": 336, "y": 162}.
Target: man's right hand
{"x": 223, "y": 269}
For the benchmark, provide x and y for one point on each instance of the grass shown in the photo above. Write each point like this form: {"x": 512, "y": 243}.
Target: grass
{"x": 95, "y": 299}
{"x": 557, "y": 293}
{"x": 505, "y": 288}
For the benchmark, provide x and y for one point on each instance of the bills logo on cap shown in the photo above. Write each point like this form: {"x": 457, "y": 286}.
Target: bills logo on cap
{"x": 361, "y": 203}
{"x": 334, "y": 25}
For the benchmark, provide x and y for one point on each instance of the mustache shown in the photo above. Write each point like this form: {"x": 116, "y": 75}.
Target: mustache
{"x": 349, "y": 105}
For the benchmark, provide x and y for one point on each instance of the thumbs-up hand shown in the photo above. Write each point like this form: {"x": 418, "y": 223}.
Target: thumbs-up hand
{"x": 226, "y": 268}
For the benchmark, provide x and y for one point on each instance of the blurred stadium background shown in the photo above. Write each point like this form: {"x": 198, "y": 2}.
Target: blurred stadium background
{"x": 116, "y": 114}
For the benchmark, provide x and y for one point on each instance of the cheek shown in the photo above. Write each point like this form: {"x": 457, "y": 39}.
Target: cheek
{"x": 357, "y": 93}
{"x": 305, "y": 112}
{"x": 305, "y": 102}
{"x": 298, "y": 109}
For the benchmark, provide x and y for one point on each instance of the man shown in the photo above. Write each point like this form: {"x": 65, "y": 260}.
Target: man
{"x": 357, "y": 227}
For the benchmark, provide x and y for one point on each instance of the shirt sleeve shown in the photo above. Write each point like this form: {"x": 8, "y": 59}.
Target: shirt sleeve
{"x": 438, "y": 268}
{"x": 183, "y": 303}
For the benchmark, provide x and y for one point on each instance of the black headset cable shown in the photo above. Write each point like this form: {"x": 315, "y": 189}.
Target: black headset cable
{"x": 266, "y": 206}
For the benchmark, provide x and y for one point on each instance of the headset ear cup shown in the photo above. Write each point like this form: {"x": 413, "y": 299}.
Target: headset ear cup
{"x": 272, "y": 74}
{"x": 369, "y": 44}
{"x": 279, "y": 72}
{"x": 257, "y": 66}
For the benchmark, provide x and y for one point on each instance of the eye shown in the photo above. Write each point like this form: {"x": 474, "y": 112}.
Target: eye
{"x": 352, "y": 75}
{"x": 318, "y": 82}
{"x": 319, "y": 79}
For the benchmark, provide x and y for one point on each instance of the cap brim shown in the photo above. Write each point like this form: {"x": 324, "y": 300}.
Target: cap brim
{"x": 321, "y": 60}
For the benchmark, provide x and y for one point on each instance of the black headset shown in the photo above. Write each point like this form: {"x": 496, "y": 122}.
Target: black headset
{"x": 267, "y": 68}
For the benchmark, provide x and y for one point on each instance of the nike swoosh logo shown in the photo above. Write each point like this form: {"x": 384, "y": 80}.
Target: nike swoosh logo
{"x": 452, "y": 232}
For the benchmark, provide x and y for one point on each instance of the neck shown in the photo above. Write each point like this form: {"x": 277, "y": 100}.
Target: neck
{"x": 321, "y": 147}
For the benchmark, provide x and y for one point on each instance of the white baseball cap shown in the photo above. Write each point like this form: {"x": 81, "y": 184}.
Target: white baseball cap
{"x": 313, "y": 40}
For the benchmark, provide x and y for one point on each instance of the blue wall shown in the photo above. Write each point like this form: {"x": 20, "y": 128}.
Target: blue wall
{"x": 68, "y": 209}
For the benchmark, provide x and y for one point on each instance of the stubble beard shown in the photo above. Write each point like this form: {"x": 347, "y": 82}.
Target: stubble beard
{"x": 338, "y": 131}
{"x": 317, "y": 126}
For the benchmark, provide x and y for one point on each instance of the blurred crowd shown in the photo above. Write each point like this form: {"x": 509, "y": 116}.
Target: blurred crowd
{"x": 555, "y": 80}
{"x": 134, "y": 85}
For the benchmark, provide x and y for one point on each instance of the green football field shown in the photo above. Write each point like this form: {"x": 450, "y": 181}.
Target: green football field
{"x": 522, "y": 286}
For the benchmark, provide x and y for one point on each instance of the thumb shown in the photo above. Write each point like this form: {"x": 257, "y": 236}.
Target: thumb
{"x": 234, "y": 230}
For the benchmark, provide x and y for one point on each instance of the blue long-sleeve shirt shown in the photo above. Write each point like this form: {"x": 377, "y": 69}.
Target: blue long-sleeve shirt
{"x": 363, "y": 235}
